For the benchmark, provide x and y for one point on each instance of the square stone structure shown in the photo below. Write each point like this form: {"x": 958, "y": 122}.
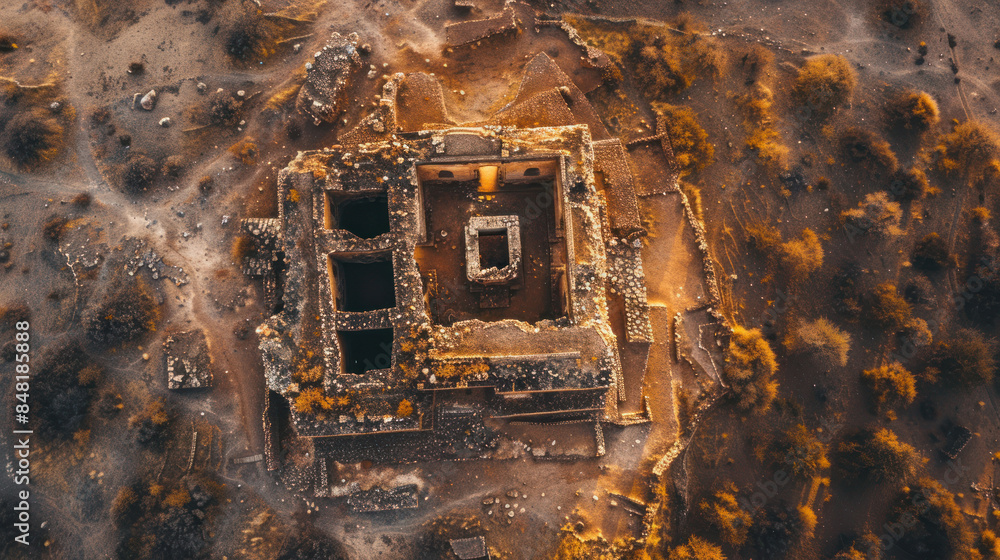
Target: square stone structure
{"x": 389, "y": 316}
{"x": 188, "y": 362}
{"x": 493, "y": 262}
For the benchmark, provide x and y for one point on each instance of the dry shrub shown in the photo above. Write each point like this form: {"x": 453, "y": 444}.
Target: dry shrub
{"x": 763, "y": 237}
{"x": 693, "y": 195}
{"x": 151, "y": 425}
{"x": 967, "y": 150}
{"x": 688, "y": 139}
{"x": 802, "y": 451}
{"x": 137, "y": 173}
{"x": 81, "y": 200}
{"x": 801, "y": 257}
{"x": 225, "y": 109}
{"x": 989, "y": 545}
{"x": 904, "y": 14}
{"x": 825, "y": 82}
{"x": 405, "y": 409}
{"x": 931, "y": 253}
{"x": 864, "y": 147}
{"x": 248, "y": 35}
{"x": 762, "y": 135}
{"x": 243, "y": 246}
{"x": 31, "y": 138}
{"x": 866, "y": 547}
{"x": 308, "y": 374}
{"x": 918, "y": 290}
{"x": 884, "y": 309}
{"x": 127, "y": 311}
{"x": 912, "y": 110}
{"x": 724, "y": 513}
{"x": 749, "y": 370}
{"x": 666, "y": 59}
{"x": 205, "y": 184}
{"x": 875, "y": 216}
{"x": 877, "y": 457}
{"x": 660, "y": 71}
{"x": 696, "y": 548}
{"x": 935, "y": 524}
{"x": 821, "y": 338}
{"x": 908, "y": 185}
{"x": 105, "y": 18}
{"x": 246, "y": 150}
{"x": 892, "y": 386}
{"x": 123, "y": 507}
{"x": 313, "y": 400}
{"x": 964, "y": 360}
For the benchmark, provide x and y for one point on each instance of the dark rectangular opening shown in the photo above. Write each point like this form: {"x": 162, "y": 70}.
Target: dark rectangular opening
{"x": 362, "y": 286}
{"x": 362, "y": 351}
{"x": 494, "y": 251}
{"x": 366, "y": 216}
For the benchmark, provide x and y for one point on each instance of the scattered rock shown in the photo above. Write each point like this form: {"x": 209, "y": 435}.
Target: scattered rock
{"x": 148, "y": 101}
{"x": 324, "y": 95}
{"x": 165, "y": 122}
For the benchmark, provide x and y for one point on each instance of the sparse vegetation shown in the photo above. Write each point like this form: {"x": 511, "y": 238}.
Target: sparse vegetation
{"x": 892, "y": 386}
{"x": 405, "y": 409}
{"x": 246, "y": 151}
{"x": 688, "y": 139}
{"x": 249, "y": 38}
{"x": 824, "y": 83}
{"x": 696, "y": 548}
{"x": 884, "y": 309}
{"x": 798, "y": 258}
{"x": 313, "y": 400}
{"x": 967, "y": 150}
{"x": 58, "y": 383}
{"x": 777, "y": 528}
{"x": 911, "y": 110}
{"x": 802, "y": 451}
{"x": 877, "y": 457}
{"x": 762, "y": 134}
{"x": 866, "y": 547}
{"x": 172, "y": 519}
{"x": 936, "y": 524}
{"x": 763, "y": 237}
{"x": 876, "y": 216}
{"x": 54, "y": 227}
{"x": 749, "y": 370}
{"x": 821, "y": 338}
{"x": 931, "y": 253}
{"x": 908, "y": 185}
{"x": 151, "y": 424}
{"x": 138, "y": 173}
{"x": 724, "y": 513}
{"x": 864, "y": 147}
{"x": 31, "y": 138}
{"x": 128, "y": 310}
{"x": 904, "y": 14}
{"x": 964, "y": 359}
{"x": 225, "y": 109}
